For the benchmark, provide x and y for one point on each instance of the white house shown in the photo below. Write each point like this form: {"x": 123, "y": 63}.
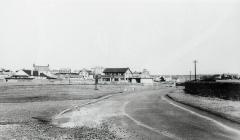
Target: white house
{"x": 86, "y": 74}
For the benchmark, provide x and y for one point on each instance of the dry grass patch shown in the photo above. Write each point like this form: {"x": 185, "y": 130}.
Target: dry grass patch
{"x": 226, "y": 108}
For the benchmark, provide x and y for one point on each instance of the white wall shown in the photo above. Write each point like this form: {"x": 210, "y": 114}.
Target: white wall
{"x": 147, "y": 81}
{"x": 128, "y": 74}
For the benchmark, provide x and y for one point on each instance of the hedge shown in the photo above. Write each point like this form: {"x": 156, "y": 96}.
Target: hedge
{"x": 230, "y": 91}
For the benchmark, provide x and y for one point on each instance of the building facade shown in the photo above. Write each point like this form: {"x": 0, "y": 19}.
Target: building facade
{"x": 86, "y": 74}
{"x": 64, "y": 70}
{"x": 41, "y": 69}
{"x": 143, "y": 77}
{"x": 117, "y": 75}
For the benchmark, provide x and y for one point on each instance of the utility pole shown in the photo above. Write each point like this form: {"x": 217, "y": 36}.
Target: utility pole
{"x": 190, "y": 75}
{"x": 195, "y": 69}
{"x": 96, "y": 81}
{"x": 69, "y": 76}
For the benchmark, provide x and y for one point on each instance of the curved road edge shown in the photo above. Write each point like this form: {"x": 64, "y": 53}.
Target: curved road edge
{"x": 229, "y": 118}
{"x": 87, "y": 103}
{"x": 174, "y": 102}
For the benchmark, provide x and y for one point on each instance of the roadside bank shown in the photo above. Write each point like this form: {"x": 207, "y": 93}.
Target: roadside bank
{"x": 226, "y": 109}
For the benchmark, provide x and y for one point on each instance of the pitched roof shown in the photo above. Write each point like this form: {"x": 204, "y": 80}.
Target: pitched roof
{"x": 115, "y": 70}
{"x": 21, "y": 73}
{"x": 28, "y": 72}
{"x": 86, "y": 70}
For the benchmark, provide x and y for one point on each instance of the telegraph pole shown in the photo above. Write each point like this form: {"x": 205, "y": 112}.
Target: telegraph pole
{"x": 69, "y": 76}
{"x": 190, "y": 75}
{"x": 195, "y": 69}
{"x": 96, "y": 81}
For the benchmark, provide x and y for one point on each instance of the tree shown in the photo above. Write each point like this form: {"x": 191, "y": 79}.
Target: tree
{"x": 162, "y": 79}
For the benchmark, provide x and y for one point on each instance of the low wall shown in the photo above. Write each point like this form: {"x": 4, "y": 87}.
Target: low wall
{"x": 223, "y": 90}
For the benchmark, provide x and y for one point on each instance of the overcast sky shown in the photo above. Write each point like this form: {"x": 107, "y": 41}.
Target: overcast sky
{"x": 164, "y": 36}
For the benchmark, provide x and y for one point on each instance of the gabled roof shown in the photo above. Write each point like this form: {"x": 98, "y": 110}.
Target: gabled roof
{"x": 28, "y": 72}
{"x": 115, "y": 70}
{"x": 86, "y": 70}
{"x": 21, "y": 73}
{"x": 48, "y": 75}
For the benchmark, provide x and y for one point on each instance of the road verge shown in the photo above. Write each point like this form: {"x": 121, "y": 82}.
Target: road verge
{"x": 229, "y": 110}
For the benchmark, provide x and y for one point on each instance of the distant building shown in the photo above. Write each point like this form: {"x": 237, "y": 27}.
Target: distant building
{"x": 229, "y": 76}
{"x": 4, "y": 74}
{"x": 39, "y": 75}
{"x": 19, "y": 75}
{"x": 54, "y": 71}
{"x": 142, "y": 77}
{"x": 75, "y": 71}
{"x": 2, "y": 70}
{"x": 28, "y": 72}
{"x": 136, "y": 74}
{"x": 64, "y": 70}
{"x": 145, "y": 74}
{"x": 63, "y": 73}
{"x": 147, "y": 81}
{"x": 73, "y": 75}
{"x": 41, "y": 69}
{"x": 117, "y": 74}
{"x": 86, "y": 74}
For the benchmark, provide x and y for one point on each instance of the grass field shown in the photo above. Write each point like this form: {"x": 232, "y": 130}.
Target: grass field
{"x": 20, "y": 104}
{"x": 23, "y": 94}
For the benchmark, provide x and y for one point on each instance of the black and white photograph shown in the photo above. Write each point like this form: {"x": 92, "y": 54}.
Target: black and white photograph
{"x": 119, "y": 70}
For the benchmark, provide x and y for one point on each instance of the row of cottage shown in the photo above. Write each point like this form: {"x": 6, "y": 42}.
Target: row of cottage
{"x": 104, "y": 74}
